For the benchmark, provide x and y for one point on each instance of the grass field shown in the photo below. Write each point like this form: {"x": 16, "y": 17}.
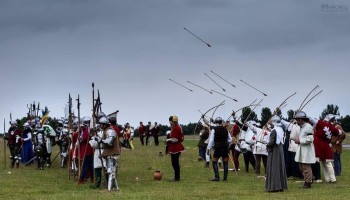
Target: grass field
{"x": 136, "y": 180}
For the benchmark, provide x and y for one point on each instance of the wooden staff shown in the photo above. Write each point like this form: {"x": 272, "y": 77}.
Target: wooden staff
{"x": 4, "y": 146}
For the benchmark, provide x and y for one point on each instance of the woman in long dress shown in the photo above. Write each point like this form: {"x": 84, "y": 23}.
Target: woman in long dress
{"x": 276, "y": 176}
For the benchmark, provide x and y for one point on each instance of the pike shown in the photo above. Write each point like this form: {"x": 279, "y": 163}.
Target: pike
{"x": 200, "y": 87}
{"x": 4, "y": 145}
{"x": 181, "y": 85}
{"x": 254, "y": 88}
{"x": 301, "y": 105}
{"x": 222, "y": 78}
{"x": 214, "y": 82}
{"x": 198, "y": 37}
{"x": 70, "y": 127}
{"x": 225, "y": 95}
{"x": 78, "y": 106}
{"x": 93, "y": 106}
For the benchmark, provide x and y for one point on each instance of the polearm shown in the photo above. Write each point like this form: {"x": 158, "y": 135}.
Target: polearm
{"x": 37, "y": 109}
{"x": 200, "y": 87}
{"x": 254, "y": 88}
{"x": 181, "y": 85}
{"x": 222, "y": 78}
{"x": 225, "y": 95}
{"x": 198, "y": 37}
{"x": 93, "y": 106}
{"x": 308, "y": 96}
{"x": 99, "y": 102}
{"x": 4, "y": 145}
{"x": 78, "y": 106}
{"x": 214, "y": 82}
{"x": 70, "y": 127}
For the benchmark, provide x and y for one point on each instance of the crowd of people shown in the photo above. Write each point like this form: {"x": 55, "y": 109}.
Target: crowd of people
{"x": 85, "y": 149}
{"x": 295, "y": 149}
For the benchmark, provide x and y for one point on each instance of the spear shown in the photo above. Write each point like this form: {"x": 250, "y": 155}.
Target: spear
{"x": 222, "y": 78}
{"x": 4, "y": 145}
{"x": 181, "y": 85}
{"x": 214, "y": 82}
{"x": 200, "y": 87}
{"x": 254, "y": 88}
{"x": 198, "y": 37}
{"x": 224, "y": 95}
{"x": 93, "y": 106}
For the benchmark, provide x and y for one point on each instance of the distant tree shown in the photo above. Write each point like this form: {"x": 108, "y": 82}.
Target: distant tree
{"x": 345, "y": 123}
{"x": 330, "y": 109}
{"x": 248, "y": 113}
{"x": 290, "y": 114}
{"x": 265, "y": 115}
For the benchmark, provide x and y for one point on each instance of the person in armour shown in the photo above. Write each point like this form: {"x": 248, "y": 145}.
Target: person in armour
{"x": 111, "y": 152}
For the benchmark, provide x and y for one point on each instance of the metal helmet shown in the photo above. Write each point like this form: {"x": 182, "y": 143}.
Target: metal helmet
{"x": 101, "y": 114}
{"x": 86, "y": 119}
{"x": 103, "y": 120}
{"x": 218, "y": 120}
{"x": 276, "y": 120}
{"x": 299, "y": 115}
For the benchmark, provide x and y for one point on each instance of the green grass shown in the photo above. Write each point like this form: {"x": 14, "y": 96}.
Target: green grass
{"x": 136, "y": 180}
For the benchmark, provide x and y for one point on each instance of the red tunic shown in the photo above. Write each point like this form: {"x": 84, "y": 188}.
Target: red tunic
{"x": 84, "y": 144}
{"x": 177, "y": 147}
{"x": 142, "y": 130}
{"x": 322, "y": 137}
{"x": 74, "y": 140}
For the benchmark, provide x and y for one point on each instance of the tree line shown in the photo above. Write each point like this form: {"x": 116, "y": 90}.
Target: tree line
{"x": 247, "y": 114}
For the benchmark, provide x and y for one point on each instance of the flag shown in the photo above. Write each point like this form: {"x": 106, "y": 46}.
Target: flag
{"x": 45, "y": 116}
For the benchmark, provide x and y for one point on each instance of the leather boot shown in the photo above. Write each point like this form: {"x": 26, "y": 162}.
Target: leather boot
{"x": 306, "y": 186}
{"x": 216, "y": 172}
{"x": 225, "y": 170}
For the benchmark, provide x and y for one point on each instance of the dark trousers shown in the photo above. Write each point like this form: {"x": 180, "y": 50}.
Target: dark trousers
{"x": 202, "y": 152}
{"x": 258, "y": 161}
{"x": 147, "y": 137}
{"x": 292, "y": 168}
{"x": 249, "y": 158}
{"x": 235, "y": 155}
{"x": 176, "y": 165}
{"x": 88, "y": 165}
{"x": 98, "y": 176}
{"x": 337, "y": 164}
{"x": 156, "y": 141}
{"x": 142, "y": 139}
{"x": 316, "y": 170}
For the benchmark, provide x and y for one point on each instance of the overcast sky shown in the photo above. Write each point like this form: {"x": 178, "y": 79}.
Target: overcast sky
{"x": 130, "y": 50}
